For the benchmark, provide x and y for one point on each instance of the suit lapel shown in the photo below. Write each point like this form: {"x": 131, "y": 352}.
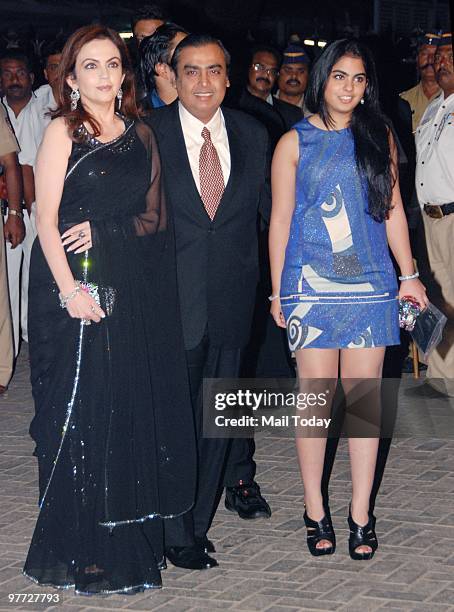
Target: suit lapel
{"x": 178, "y": 161}
{"x": 236, "y": 163}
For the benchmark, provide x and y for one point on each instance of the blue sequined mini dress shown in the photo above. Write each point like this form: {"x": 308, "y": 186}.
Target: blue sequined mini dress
{"x": 338, "y": 285}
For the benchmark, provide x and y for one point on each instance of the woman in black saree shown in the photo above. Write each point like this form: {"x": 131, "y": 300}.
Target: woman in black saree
{"x": 113, "y": 425}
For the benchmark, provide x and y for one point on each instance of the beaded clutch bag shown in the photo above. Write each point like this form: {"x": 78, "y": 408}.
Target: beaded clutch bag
{"x": 425, "y": 326}
{"x": 103, "y": 296}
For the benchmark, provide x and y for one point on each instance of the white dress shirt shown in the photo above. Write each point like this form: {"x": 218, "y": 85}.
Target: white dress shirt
{"x": 435, "y": 153}
{"x": 45, "y": 96}
{"x": 29, "y": 129}
{"x": 192, "y": 132}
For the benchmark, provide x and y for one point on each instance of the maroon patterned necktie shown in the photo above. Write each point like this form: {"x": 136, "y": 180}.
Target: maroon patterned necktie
{"x": 210, "y": 172}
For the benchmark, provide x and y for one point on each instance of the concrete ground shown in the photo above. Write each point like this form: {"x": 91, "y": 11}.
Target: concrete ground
{"x": 265, "y": 564}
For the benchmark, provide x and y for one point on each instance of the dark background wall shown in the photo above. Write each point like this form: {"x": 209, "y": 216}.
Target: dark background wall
{"x": 389, "y": 26}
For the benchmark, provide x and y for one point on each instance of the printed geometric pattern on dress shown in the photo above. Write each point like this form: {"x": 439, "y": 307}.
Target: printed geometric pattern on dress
{"x": 210, "y": 172}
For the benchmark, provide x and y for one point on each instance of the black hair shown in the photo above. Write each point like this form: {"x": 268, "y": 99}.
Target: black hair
{"x": 52, "y": 48}
{"x": 264, "y": 48}
{"x": 198, "y": 40}
{"x": 19, "y": 56}
{"x": 369, "y": 126}
{"x": 149, "y": 11}
{"x": 155, "y": 49}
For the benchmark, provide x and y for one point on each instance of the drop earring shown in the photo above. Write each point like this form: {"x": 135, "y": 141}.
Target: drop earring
{"x": 119, "y": 97}
{"x": 75, "y": 97}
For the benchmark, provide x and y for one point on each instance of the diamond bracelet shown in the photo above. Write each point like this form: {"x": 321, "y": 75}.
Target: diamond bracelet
{"x": 64, "y": 299}
{"x": 409, "y": 276}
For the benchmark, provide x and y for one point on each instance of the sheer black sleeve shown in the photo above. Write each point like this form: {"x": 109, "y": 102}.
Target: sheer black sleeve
{"x": 153, "y": 218}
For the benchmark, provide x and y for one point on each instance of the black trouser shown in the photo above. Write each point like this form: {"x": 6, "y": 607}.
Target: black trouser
{"x": 240, "y": 462}
{"x": 267, "y": 354}
{"x": 205, "y": 361}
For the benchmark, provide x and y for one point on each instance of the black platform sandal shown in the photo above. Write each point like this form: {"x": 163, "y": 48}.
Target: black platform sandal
{"x": 317, "y": 531}
{"x": 362, "y": 536}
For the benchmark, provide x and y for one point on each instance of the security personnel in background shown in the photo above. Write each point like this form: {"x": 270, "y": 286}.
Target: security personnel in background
{"x": 435, "y": 189}
{"x": 293, "y": 77}
{"x": 13, "y": 232}
{"x": 427, "y": 89}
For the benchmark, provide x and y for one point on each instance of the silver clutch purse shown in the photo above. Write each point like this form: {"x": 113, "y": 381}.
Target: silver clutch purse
{"x": 103, "y": 296}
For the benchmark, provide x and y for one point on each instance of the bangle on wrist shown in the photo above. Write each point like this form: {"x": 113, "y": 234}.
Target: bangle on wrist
{"x": 406, "y": 277}
{"x": 64, "y": 299}
{"x": 273, "y": 297}
{"x": 17, "y": 213}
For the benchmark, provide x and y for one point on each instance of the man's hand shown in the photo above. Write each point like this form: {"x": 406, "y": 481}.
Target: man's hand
{"x": 14, "y": 230}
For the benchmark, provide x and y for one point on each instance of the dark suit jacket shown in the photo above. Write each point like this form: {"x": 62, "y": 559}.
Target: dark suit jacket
{"x": 217, "y": 261}
{"x": 277, "y": 118}
{"x": 290, "y": 113}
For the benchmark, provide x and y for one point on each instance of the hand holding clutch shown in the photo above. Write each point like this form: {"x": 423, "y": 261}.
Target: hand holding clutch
{"x": 425, "y": 326}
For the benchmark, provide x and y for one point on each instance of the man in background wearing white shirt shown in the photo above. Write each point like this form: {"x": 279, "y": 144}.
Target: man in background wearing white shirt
{"x": 25, "y": 115}
{"x": 47, "y": 93}
{"x": 435, "y": 189}
{"x": 13, "y": 233}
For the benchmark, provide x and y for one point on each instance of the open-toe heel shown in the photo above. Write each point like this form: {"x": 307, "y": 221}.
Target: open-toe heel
{"x": 362, "y": 536}
{"x": 320, "y": 530}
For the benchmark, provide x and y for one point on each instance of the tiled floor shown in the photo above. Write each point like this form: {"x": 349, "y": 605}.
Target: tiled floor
{"x": 264, "y": 564}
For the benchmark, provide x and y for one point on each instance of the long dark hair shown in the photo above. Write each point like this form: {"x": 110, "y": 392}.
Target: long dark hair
{"x": 75, "y": 118}
{"x": 369, "y": 126}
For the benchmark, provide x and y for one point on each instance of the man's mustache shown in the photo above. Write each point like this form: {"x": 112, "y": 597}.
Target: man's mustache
{"x": 428, "y": 65}
{"x": 264, "y": 80}
{"x": 293, "y": 82}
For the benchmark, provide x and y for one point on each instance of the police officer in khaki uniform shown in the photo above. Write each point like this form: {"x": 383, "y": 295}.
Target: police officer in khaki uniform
{"x": 427, "y": 89}
{"x": 435, "y": 188}
{"x": 13, "y": 231}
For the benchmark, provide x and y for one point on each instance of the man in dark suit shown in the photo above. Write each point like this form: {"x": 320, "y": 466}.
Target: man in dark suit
{"x": 267, "y": 354}
{"x": 257, "y": 100}
{"x": 214, "y": 163}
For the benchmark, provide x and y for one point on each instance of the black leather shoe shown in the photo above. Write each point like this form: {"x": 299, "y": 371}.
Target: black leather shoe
{"x": 246, "y": 500}
{"x": 362, "y": 536}
{"x": 190, "y": 557}
{"x": 318, "y": 531}
{"x": 205, "y": 544}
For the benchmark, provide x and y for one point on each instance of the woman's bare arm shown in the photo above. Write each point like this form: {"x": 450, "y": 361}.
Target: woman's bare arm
{"x": 51, "y": 166}
{"x": 283, "y": 178}
{"x": 398, "y": 238}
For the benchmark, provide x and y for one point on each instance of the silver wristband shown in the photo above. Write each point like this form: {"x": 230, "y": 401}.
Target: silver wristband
{"x": 64, "y": 299}
{"x": 273, "y": 297}
{"x": 409, "y": 276}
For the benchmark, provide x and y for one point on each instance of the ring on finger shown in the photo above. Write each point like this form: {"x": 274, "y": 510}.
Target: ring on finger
{"x": 93, "y": 309}
{"x": 81, "y": 234}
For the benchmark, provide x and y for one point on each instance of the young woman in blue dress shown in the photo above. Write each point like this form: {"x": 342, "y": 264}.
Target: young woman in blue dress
{"x": 336, "y": 212}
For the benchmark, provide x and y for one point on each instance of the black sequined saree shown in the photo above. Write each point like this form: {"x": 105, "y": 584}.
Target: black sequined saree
{"x": 113, "y": 425}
